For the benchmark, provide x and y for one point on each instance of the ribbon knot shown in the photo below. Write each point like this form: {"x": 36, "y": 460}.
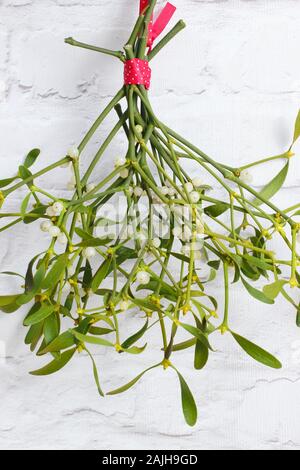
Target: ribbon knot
{"x": 137, "y": 71}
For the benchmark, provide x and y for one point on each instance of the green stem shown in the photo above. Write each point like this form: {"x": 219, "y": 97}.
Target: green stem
{"x": 265, "y": 160}
{"x": 226, "y": 297}
{"x": 168, "y": 37}
{"x": 36, "y": 175}
{"x": 118, "y": 54}
{"x": 101, "y": 118}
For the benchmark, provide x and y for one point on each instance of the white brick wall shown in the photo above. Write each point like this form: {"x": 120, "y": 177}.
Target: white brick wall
{"x": 230, "y": 83}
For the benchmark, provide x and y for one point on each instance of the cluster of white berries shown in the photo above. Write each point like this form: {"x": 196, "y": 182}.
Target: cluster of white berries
{"x": 189, "y": 188}
{"x": 55, "y": 210}
{"x": 48, "y": 227}
{"x": 119, "y": 163}
{"x": 246, "y": 177}
{"x": 168, "y": 190}
{"x": 54, "y": 231}
{"x": 184, "y": 233}
{"x": 136, "y": 191}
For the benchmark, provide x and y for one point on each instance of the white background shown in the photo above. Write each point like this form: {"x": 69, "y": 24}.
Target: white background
{"x": 230, "y": 83}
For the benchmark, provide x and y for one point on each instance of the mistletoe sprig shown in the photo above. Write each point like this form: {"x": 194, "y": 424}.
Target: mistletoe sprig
{"x": 93, "y": 281}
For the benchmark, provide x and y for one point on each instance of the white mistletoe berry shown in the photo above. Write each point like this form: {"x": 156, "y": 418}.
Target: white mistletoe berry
{"x": 195, "y": 197}
{"x": 50, "y": 212}
{"x": 298, "y": 237}
{"x": 54, "y": 231}
{"x": 73, "y": 153}
{"x": 197, "y": 182}
{"x": 46, "y": 225}
{"x": 189, "y": 187}
{"x": 139, "y": 129}
{"x": 138, "y": 192}
{"x": 246, "y": 177}
{"x": 124, "y": 173}
{"x": 58, "y": 207}
{"x": 120, "y": 161}
{"x": 89, "y": 252}
{"x": 143, "y": 277}
{"x": 156, "y": 242}
{"x": 62, "y": 238}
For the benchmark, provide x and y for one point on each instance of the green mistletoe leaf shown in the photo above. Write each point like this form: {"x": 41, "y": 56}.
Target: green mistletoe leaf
{"x": 273, "y": 290}
{"x": 257, "y": 353}
{"x": 201, "y": 355}
{"x": 56, "y": 364}
{"x": 134, "y": 338}
{"x": 184, "y": 345}
{"x": 298, "y": 317}
{"x": 31, "y": 157}
{"x": 216, "y": 210}
{"x": 95, "y": 372}
{"x": 273, "y": 186}
{"x": 8, "y": 303}
{"x": 7, "y": 182}
{"x": 297, "y": 128}
{"x": 41, "y": 314}
{"x": 130, "y": 384}
{"x": 189, "y": 406}
{"x": 101, "y": 274}
{"x": 55, "y": 272}
{"x": 257, "y": 294}
{"x": 64, "y": 341}
{"x": 51, "y": 328}
{"x": 91, "y": 339}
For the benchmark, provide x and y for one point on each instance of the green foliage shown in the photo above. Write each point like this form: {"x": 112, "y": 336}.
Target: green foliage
{"x": 79, "y": 293}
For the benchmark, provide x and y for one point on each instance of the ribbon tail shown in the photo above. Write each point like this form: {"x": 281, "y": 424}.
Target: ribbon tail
{"x": 162, "y": 21}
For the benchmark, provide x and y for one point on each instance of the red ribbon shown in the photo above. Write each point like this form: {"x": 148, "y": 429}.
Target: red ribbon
{"x": 157, "y": 27}
{"x": 137, "y": 71}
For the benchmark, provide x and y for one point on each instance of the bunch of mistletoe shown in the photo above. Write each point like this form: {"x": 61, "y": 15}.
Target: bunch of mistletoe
{"x": 91, "y": 282}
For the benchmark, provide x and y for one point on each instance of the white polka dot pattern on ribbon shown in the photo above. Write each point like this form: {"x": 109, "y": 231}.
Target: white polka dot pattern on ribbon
{"x": 137, "y": 72}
